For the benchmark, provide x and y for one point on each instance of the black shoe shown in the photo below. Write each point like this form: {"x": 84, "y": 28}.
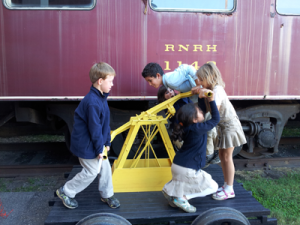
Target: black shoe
{"x": 70, "y": 203}
{"x": 208, "y": 160}
{"x": 216, "y": 158}
{"x": 112, "y": 202}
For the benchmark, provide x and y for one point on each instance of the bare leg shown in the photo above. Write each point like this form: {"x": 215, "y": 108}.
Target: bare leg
{"x": 228, "y": 171}
{"x": 228, "y": 165}
{"x": 221, "y": 155}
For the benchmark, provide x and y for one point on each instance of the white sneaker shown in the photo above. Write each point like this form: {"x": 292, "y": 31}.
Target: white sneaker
{"x": 222, "y": 195}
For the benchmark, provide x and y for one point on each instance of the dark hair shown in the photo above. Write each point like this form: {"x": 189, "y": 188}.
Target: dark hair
{"x": 151, "y": 69}
{"x": 185, "y": 116}
{"x": 161, "y": 94}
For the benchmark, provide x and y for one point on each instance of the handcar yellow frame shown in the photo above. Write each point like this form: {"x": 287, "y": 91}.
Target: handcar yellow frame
{"x": 140, "y": 175}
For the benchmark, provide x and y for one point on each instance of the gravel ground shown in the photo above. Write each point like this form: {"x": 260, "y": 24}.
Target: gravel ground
{"x": 27, "y": 198}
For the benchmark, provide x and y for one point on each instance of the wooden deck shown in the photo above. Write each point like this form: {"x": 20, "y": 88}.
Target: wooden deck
{"x": 150, "y": 207}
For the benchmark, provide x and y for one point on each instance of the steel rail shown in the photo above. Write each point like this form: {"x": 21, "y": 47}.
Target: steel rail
{"x": 267, "y": 163}
{"x": 25, "y": 170}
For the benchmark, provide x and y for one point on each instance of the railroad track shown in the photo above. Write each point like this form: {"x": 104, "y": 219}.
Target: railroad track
{"x": 267, "y": 163}
{"x": 33, "y": 166}
{"x": 33, "y": 146}
{"x": 26, "y": 170}
{"x": 35, "y": 158}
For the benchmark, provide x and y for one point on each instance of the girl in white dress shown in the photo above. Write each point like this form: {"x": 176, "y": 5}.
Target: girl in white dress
{"x": 229, "y": 130}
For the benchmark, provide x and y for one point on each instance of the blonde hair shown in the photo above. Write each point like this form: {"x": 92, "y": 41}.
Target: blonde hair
{"x": 101, "y": 70}
{"x": 210, "y": 72}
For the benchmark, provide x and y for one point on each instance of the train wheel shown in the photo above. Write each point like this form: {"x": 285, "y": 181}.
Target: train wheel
{"x": 237, "y": 150}
{"x": 103, "y": 219}
{"x": 221, "y": 216}
{"x": 257, "y": 153}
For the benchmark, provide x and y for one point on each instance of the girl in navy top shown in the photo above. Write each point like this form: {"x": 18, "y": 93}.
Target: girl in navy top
{"x": 188, "y": 180}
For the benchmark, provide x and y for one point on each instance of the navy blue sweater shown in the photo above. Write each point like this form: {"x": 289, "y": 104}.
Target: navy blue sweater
{"x": 193, "y": 151}
{"x": 91, "y": 125}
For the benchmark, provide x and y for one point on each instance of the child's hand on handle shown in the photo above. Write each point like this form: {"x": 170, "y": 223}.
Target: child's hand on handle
{"x": 206, "y": 93}
{"x": 100, "y": 156}
{"x": 196, "y": 90}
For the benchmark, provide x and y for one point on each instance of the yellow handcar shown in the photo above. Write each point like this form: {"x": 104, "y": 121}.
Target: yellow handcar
{"x": 147, "y": 174}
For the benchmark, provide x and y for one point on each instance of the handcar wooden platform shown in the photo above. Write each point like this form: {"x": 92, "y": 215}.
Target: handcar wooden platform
{"x": 150, "y": 207}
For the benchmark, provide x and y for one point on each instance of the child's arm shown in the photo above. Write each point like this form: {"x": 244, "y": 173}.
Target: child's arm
{"x": 208, "y": 125}
{"x": 95, "y": 128}
{"x": 214, "y": 113}
{"x": 107, "y": 143}
{"x": 201, "y": 104}
{"x": 202, "y": 99}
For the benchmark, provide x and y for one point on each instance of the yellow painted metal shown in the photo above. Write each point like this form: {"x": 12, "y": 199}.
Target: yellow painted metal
{"x": 138, "y": 175}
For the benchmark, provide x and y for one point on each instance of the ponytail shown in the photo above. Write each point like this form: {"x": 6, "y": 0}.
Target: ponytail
{"x": 177, "y": 132}
{"x": 186, "y": 116}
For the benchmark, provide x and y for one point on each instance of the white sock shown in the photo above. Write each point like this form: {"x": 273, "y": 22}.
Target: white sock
{"x": 229, "y": 189}
{"x": 224, "y": 186}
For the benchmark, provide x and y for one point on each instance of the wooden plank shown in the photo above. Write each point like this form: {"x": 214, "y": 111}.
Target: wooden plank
{"x": 150, "y": 207}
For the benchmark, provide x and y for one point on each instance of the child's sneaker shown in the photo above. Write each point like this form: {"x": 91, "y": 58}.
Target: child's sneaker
{"x": 112, "y": 202}
{"x": 215, "y": 160}
{"x": 223, "y": 195}
{"x": 169, "y": 198}
{"x": 184, "y": 205}
{"x": 207, "y": 161}
{"x": 70, "y": 203}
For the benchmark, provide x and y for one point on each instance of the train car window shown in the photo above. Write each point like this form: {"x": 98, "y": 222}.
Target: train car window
{"x": 288, "y": 7}
{"x": 50, "y": 4}
{"x": 193, "y": 5}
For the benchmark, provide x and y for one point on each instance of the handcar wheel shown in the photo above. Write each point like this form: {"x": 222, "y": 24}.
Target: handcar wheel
{"x": 103, "y": 219}
{"x": 221, "y": 216}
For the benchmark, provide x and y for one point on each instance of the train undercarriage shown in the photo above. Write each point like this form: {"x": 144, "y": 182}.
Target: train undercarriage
{"x": 262, "y": 121}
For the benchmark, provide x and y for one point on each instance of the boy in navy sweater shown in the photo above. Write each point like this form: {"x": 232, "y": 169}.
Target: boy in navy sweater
{"x": 90, "y": 135}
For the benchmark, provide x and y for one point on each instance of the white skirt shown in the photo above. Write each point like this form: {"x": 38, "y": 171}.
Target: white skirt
{"x": 230, "y": 134}
{"x": 187, "y": 181}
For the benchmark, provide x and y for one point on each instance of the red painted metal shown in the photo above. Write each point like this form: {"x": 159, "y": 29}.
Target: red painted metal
{"x": 49, "y": 53}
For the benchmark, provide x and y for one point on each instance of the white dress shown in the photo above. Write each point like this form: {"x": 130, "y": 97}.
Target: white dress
{"x": 229, "y": 130}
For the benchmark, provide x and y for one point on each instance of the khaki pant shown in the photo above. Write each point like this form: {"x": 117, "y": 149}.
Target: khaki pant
{"x": 211, "y": 137}
{"x": 87, "y": 175}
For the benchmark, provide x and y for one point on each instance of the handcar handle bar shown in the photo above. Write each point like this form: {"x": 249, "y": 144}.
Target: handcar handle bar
{"x": 168, "y": 104}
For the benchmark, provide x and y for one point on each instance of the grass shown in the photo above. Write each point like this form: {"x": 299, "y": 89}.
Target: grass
{"x": 281, "y": 196}
{"x": 291, "y": 132}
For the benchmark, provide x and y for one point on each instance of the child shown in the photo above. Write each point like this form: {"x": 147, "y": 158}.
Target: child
{"x": 91, "y": 133}
{"x": 229, "y": 130}
{"x": 188, "y": 180}
{"x": 181, "y": 79}
{"x": 164, "y": 94}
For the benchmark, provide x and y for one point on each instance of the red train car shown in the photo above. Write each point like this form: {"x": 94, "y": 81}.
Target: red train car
{"x": 48, "y": 46}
